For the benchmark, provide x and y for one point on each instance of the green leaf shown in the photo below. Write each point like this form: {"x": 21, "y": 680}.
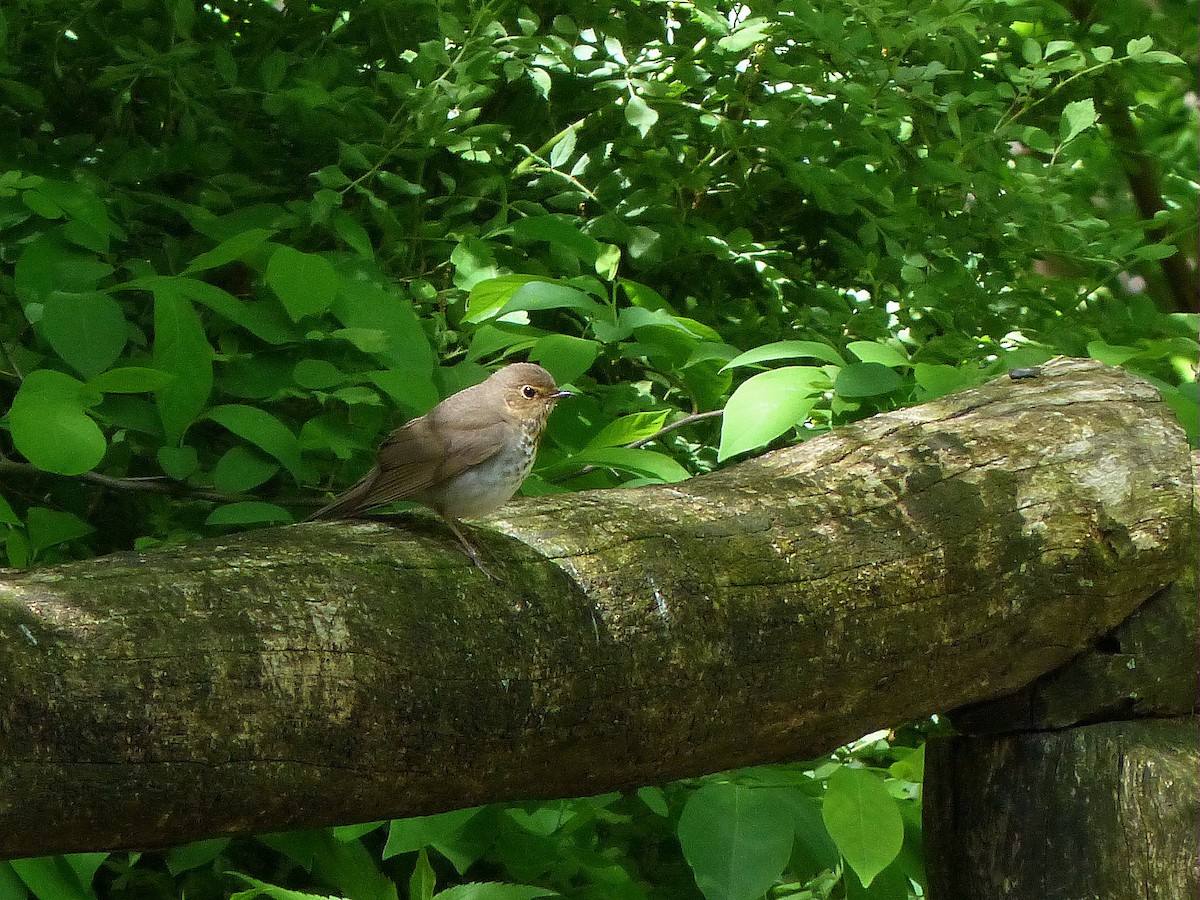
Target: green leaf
{"x": 331, "y": 435}
{"x": 237, "y": 247}
{"x": 890, "y": 884}
{"x": 250, "y": 512}
{"x": 868, "y": 379}
{"x": 86, "y": 330}
{"x": 1138, "y": 46}
{"x": 473, "y": 262}
{"x": 644, "y": 296}
{"x": 180, "y": 348}
{"x": 351, "y": 868}
{"x": 130, "y": 380}
{"x": 493, "y": 891}
{"x": 1078, "y": 116}
{"x": 423, "y": 880}
{"x": 369, "y": 340}
{"x": 89, "y": 224}
{"x": 264, "y": 431}
{"x": 939, "y": 380}
{"x": 767, "y": 405}
{"x": 1155, "y": 252}
{"x": 304, "y": 282}
{"x": 191, "y": 856}
{"x": 346, "y": 833}
{"x": 628, "y": 429}
{"x": 501, "y": 338}
{"x": 565, "y": 356}
{"x": 1185, "y": 401}
{"x": 736, "y": 839}
{"x": 640, "y": 114}
{"x": 1110, "y": 354}
{"x": 1162, "y": 57}
{"x": 559, "y": 231}
{"x": 318, "y": 375}
{"x": 351, "y": 231}
{"x": 365, "y": 304}
{"x": 7, "y": 517}
{"x": 814, "y": 851}
{"x": 16, "y": 547}
{"x": 787, "y": 350}
{"x": 50, "y": 527}
{"x": 1037, "y": 139}
{"x": 608, "y": 262}
{"x": 655, "y": 800}
{"x": 638, "y": 318}
{"x": 863, "y": 820}
{"x": 488, "y": 296}
{"x": 41, "y": 204}
{"x": 537, "y": 295}
{"x": 47, "y": 265}
{"x": 399, "y": 184}
{"x": 262, "y": 889}
{"x": 413, "y": 392}
{"x": 264, "y": 319}
{"x": 11, "y": 886}
{"x": 52, "y": 878}
{"x": 749, "y": 33}
{"x": 50, "y": 427}
{"x": 407, "y": 835}
{"x": 871, "y": 351}
{"x": 910, "y": 767}
{"x": 239, "y": 469}
{"x": 649, "y": 464}
{"x": 178, "y": 462}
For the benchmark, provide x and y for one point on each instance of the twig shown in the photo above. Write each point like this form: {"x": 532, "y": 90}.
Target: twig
{"x": 678, "y": 423}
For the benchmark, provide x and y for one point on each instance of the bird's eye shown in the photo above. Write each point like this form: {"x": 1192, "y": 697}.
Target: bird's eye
{"x": 529, "y": 391}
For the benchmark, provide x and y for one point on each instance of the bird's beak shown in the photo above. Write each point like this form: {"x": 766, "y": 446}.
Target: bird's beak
{"x": 561, "y": 395}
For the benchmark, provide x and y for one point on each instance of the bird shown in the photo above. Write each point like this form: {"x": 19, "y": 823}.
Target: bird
{"x": 466, "y": 457}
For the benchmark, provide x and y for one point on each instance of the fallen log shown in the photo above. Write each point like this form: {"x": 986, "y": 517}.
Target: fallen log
{"x": 327, "y": 673}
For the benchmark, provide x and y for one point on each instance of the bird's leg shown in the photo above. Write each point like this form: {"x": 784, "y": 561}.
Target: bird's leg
{"x": 456, "y": 527}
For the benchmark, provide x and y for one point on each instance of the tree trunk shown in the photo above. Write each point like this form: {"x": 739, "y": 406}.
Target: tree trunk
{"x": 325, "y": 673}
{"x": 1105, "y": 810}
{"x": 1026, "y": 805}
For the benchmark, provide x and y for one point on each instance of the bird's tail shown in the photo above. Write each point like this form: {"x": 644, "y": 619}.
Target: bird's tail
{"x": 352, "y": 500}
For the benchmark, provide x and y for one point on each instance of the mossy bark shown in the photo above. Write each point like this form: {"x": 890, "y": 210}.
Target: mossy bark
{"x": 911, "y": 563}
{"x": 1107, "y": 810}
{"x": 1035, "y": 802}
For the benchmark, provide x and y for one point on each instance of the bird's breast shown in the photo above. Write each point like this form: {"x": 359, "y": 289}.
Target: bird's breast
{"x": 487, "y": 486}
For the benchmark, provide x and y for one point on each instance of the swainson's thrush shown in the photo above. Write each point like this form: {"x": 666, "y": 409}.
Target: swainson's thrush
{"x": 465, "y": 457}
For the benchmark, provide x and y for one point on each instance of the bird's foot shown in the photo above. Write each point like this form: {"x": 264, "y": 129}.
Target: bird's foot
{"x": 472, "y": 553}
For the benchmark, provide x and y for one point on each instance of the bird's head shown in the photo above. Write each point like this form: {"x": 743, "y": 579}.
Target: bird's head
{"x": 529, "y": 390}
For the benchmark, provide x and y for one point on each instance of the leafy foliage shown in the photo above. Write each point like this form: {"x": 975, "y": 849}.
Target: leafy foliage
{"x": 241, "y": 242}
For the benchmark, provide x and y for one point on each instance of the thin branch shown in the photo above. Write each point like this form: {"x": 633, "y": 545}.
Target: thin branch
{"x": 147, "y": 485}
{"x": 153, "y": 484}
{"x": 678, "y": 423}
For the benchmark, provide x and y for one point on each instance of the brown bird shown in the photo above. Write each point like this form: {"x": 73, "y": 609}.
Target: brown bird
{"x": 465, "y": 457}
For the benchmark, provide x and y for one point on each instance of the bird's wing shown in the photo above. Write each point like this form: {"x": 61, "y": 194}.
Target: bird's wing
{"x": 427, "y": 452}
